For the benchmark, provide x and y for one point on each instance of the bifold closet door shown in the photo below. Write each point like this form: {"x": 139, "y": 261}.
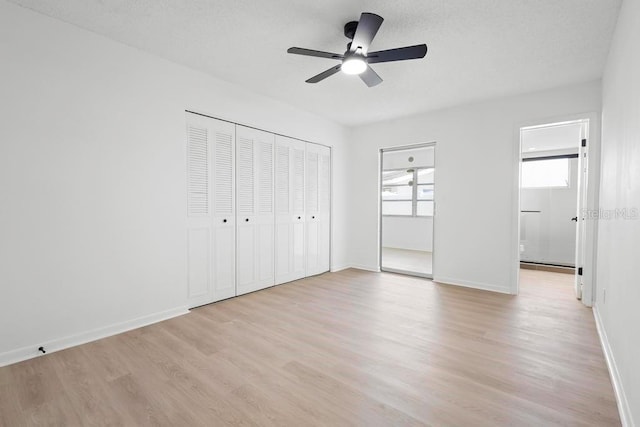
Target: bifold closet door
{"x": 289, "y": 206}
{"x": 210, "y": 210}
{"x": 255, "y": 211}
{"x": 318, "y": 196}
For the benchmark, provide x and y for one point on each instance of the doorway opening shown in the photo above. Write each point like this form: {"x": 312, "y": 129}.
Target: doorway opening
{"x": 407, "y": 209}
{"x": 553, "y": 196}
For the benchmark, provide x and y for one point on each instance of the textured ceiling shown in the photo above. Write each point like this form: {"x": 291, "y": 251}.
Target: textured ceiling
{"x": 478, "y": 49}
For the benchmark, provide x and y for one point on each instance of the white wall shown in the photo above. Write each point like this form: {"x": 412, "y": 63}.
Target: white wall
{"x": 92, "y": 179}
{"x": 415, "y": 233}
{"x": 475, "y": 231}
{"x": 549, "y": 236}
{"x": 619, "y": 239}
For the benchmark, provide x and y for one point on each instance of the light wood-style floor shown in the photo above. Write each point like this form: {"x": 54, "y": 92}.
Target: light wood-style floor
{"x": 348, "y": 348}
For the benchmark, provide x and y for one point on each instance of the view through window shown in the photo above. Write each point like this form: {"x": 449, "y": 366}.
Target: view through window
{"x": 408, "y": 192}
{"x": 545, "y": 173}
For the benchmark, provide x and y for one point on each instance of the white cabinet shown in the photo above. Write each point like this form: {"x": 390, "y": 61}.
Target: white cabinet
{"x": 210, "y": 210}
{"x": 255, "y": 210}
{"x": 317, "y": 197}
{"x": 290, "y": 209}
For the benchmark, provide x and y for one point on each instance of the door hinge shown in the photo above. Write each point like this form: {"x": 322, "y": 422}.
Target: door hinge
{"x": 579, "y": 271}
{"x": 584, "y": 142}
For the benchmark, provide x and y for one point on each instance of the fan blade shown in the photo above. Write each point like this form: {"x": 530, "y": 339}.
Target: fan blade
{"x": 370, "y": 77}
{"x": 366, "y": 30}
{"x": 399, "y": 54}
{"x": 323, "y": 75}
{"x": 316, "y": 53}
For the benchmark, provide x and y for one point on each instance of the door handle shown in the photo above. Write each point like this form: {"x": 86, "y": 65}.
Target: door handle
{"x": 575, "y": 218}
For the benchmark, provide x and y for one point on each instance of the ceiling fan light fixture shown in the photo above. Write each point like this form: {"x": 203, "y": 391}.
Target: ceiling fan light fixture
{"x": 353, "y": 65}
{"x": 357, "y": 59}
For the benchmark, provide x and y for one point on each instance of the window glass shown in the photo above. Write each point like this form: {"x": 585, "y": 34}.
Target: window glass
{"x": 425, "y": 192}
{"x": 397, "y": 208}
{"x": 404, "y": 192}
{"x": 545, "y": 173}
{"x": 408, "y": 192}
{"x": 425, "y": 176}
{"x": 401, "y": 177}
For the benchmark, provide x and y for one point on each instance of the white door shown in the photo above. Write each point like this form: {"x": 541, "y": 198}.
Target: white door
{"x": 255, "y": 210}
{"x": 210, "y": 210}
{"x": 317, "y": 197}
{"x": 581, "y": 228}
{"x": 289, "y": 207}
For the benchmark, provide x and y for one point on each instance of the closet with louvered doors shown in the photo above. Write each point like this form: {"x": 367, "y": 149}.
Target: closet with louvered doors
{"x": 317, "y": 208}
{"x": 290, "y": 209}
{"x": 210, "y": 210}
{"x": 258, "y": 209}
{"x": 254, "y": 209}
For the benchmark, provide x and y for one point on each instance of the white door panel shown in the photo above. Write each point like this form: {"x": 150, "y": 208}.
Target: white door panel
{"x": 224, "y": 261}
{"x": 289, "y": 207}
{"x": 198, "y": 261}
{"x": 246, "y": 247}
{"x": 210, "y": 211}
{"x": 318, "y": 196}
{"x": 265, "y": 248}
{"x": 298, "y": 248}
{"x": 313, "y": 250}
{"x": 256, "y": 219}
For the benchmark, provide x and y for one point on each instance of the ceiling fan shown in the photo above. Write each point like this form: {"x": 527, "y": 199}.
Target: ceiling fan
{"x": 357, "y": 57}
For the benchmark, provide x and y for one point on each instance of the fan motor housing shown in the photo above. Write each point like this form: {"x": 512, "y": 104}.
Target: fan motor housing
{"x": 350, "y": 29}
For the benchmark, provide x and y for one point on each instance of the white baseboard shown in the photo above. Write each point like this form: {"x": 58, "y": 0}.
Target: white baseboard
{"x": 25, "y": 353}
{"x": 621, "y": 397}
{"x": 375, "y": 269}
{"x": 339, "y": 268}
{"x": 472, "y": 285}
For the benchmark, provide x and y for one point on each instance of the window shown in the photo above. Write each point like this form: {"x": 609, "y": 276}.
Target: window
{"x": 550, "y": 173}
{"x": 408, "y": 192}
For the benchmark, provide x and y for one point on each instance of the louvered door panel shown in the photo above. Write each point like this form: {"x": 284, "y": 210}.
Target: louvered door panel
{"x": 289, "y": 207}
{"x": 312, "y": 182}
{"x": 245, "y": 175}
{"x": 223, "y": 172}
{"x": 197, "y": 171}
{"x": 255, "y": 216}
{"x": 224, "y": 233}
{"x": 265, "y": 177}
{"x": 298, "y": 178}
{"x": 317, "y": 195}
{"x": 265, "y": 220}
{"x": 210, "y": 196}
{"x": 324, "y": 187}
{"x": 282, "y": 175}
{"x": 324, "y": 209}
{"x": 198, "y": 148}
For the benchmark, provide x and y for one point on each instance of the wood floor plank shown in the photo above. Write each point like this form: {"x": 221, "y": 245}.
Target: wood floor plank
{"x": 341, "y": 349}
